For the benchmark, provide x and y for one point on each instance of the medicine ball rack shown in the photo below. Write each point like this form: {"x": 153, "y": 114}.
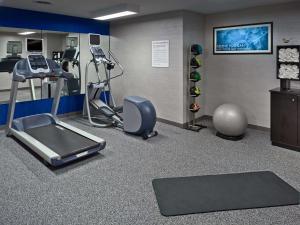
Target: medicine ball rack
{"x": 194, "y": 76}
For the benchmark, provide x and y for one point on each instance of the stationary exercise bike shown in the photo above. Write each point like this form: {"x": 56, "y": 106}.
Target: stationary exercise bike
{"x": 138, "y": 114}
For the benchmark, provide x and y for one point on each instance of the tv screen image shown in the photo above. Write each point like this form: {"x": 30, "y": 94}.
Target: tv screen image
{"x": 34, "y": 45}
{"x": 94, "y": 39}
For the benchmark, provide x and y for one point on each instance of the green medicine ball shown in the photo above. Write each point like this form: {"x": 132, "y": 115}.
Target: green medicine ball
{"x": 195, "y": 76}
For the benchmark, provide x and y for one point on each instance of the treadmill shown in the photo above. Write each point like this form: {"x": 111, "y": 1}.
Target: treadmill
{"x": 55, "y": 141}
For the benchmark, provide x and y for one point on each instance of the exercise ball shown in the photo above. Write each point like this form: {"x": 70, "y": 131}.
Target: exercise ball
{"x": 230, "y": 121}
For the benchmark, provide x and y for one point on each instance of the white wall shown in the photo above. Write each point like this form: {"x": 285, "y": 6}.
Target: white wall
{"x": 131, "y": 42}
{"x": 55, "y": 42}
{"x": 247, "y": 79}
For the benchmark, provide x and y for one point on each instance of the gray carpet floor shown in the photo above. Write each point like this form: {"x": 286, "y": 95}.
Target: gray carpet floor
{"x": 114, "y": 187}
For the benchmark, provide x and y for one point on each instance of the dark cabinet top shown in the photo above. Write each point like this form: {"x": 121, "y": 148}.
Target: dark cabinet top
{"x": 292, "y": 91}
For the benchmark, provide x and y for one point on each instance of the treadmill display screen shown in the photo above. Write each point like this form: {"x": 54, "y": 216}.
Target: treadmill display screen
{"x": 34, "y": 45}
{"x": 94, "y": 39}
{"x": 69, "y": 54}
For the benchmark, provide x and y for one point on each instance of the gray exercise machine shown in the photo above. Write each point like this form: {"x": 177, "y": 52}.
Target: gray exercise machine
{"x": 138, "y": 114}
{"x": 55, "y": 141}
{"x": 69, "y": 61}
{"x": 71, "y": 58}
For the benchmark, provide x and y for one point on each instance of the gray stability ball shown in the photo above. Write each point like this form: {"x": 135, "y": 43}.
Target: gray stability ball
{"x": 230, "y": 121}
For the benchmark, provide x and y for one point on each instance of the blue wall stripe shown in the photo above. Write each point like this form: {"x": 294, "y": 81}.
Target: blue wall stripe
{"x": 67, "y": 104}
{"x": 11, "y": 17}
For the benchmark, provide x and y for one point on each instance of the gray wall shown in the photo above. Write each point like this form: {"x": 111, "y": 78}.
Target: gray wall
{"x": 131, "y": 42}
{"x": 246, "y": 79}
{"x": 241, "y": 79}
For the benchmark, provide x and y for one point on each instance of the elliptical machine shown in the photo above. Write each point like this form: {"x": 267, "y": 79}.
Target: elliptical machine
{"x": 71, "y": 58}
{"x": 138, "y": 114}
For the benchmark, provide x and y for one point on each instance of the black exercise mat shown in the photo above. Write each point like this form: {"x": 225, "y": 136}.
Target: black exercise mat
{"x": 199, "y": 194}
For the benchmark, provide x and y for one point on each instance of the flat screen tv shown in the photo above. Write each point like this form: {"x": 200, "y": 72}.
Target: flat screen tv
{"x": 94, "y": 39}
{"x": 34, "y": 45}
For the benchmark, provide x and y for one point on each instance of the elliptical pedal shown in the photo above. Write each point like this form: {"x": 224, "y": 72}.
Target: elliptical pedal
{"x": 118, "y": 109}
{"x": 149, "y": 135}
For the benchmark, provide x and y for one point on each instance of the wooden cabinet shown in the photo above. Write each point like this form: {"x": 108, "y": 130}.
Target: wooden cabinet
{"x": 285, "y": 111}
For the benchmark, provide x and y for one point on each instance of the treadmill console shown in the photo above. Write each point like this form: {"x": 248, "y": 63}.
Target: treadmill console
{"x": 38, "y": 64}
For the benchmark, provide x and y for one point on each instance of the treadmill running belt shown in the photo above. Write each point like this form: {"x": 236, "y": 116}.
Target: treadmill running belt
{"x": 61, "y": 140}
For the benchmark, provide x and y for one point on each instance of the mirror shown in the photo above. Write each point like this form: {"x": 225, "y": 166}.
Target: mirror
{"x": 13, "y": 48}
{"x": 70, "y": 50}
{"x": 64, "y": 48}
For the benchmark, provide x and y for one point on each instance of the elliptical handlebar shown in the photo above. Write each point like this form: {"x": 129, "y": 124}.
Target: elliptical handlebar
{"x": 100, "y": 58}
{"x": 118, "y": 64}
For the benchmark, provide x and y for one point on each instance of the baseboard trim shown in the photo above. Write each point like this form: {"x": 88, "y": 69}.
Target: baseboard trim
{"x": 169, "y": 122}
{"x": 207, "y": 117}
{"x": 255, "y": 127}
{"x": 251, "y": 126}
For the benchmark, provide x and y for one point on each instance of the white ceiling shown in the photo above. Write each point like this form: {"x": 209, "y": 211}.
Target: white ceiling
{"x": 84, "y": 8}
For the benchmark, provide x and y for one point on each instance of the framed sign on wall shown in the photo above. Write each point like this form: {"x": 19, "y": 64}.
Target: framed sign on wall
{"x": 244, "y": 39}
{"x": 160, "y": 53}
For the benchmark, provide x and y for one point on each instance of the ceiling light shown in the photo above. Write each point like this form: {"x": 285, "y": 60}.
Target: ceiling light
{"x": 116, "y": 12}
{"x": 42, "y": 2}
{"x": 115, "y": 15}
{"x": 26, "y": 33}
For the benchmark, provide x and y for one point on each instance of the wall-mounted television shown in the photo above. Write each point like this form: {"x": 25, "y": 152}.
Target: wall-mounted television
{"x": 34, "y": 45}
{"x": 94, "y": 39}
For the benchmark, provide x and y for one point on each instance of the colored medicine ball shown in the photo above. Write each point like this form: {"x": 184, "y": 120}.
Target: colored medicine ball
{"x": 195, "y": 76}
{"x": 195, "y": 91}
{"x": 195, "y": 62}
{"x": 194, "y": 107}
{"x": 196, "y": 49}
